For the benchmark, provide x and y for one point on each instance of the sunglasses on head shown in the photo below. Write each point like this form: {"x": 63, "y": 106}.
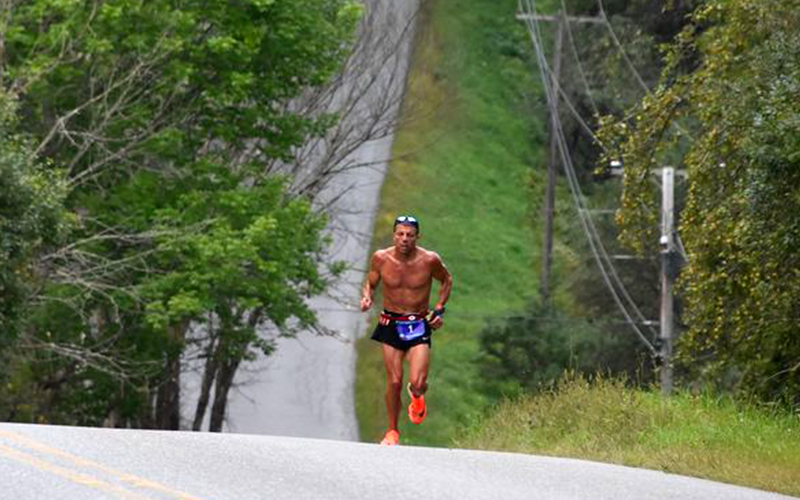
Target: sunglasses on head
{"x": 407, "y": 219}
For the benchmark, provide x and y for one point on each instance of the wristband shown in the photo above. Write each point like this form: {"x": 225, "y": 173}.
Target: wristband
{"x": 438, "y": 312}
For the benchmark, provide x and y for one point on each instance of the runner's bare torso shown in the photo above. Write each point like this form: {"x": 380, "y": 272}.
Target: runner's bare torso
{"x": 407, "y": 272}
{"x": 407, "y": 282}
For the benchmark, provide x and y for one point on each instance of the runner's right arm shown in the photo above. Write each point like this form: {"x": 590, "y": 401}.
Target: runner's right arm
{"x": 371, "y": 283}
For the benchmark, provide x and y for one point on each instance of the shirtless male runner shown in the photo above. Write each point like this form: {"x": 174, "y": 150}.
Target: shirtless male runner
{"x": 405, "y": 325}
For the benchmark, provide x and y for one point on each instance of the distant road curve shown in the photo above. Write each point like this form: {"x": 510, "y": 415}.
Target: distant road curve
{"x": 38, "y": 461}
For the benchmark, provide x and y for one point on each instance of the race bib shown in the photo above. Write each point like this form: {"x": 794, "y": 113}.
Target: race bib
{"x": 410, "y": 330}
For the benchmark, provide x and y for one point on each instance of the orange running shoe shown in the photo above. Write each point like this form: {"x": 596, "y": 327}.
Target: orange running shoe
{"x": 417, "y": 411}
{"x": 391, "y": 438}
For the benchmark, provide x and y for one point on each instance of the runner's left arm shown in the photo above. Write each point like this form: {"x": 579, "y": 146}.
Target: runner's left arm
{"x": 441, "y": 273}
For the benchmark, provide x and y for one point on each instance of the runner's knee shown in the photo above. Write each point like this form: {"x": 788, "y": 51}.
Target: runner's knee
{"x": 394, "y": 381}
{"x": 419, "y": 383}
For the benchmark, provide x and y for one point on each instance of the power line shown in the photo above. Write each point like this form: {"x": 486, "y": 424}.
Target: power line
{"x": 589, "y": 223}
{"x": 549, "y": 202}
{"x": 585, "y": 126}
{"x": 630, "y": 64}
{"x": 563, "y": 93}
{"x": 601, "y": 257}
{"x": 578, "y": 61}
{"x": 622, "y": 49}
{"x": 595, "y": 236}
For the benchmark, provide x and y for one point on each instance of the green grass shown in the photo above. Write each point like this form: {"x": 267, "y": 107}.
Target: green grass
{"x": 470, "y": 157}
{"x": 463, "y": 167}
{"x": 696, "y": 435}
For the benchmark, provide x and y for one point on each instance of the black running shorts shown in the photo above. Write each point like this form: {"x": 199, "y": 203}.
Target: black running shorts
{"x": 388, "y": 334}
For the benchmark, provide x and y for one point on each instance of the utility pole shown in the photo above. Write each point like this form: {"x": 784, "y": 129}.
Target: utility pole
{"x": 548, "y": 210}
{"x": 552, "y": 166}
{"x": 669, "y": 266}
{"x": 667, "y": 243}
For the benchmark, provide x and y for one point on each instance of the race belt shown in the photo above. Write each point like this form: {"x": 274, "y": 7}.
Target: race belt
{"x": 408, "y": 327}
{"x": 387, "y": 318}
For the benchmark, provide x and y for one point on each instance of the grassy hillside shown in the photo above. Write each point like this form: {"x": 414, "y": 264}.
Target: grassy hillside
{"x": 470, "y": 136}
{"x": 470, "y": 158}
{"x": 696, "y": 435}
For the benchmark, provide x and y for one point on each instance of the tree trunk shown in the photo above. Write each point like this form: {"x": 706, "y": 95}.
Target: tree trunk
{"x": 223, "y": 385}
{"x": 168, "y": 414}
{"x": 209, "y": 372}
{"x": 227, "y": 365}
{"x": 168, "y": 401}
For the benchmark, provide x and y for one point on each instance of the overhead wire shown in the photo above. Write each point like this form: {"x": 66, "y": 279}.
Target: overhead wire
{"x": 594, "y": 237}
{"x": 630, "y": 64}
{"x": 590, "y": 222}
{"x": 610, "y": 277}
{"x": 585, "y": 126}
{"x": 575, "y": 53}
{"x": 575, "y": 114}
{"x": 622, "y": 49}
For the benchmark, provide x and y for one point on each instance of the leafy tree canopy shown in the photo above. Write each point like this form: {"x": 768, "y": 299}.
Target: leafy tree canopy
{"x": 731, "y": 122}
{"x": 156, "y": 124}
{"x": 32, "y": 217}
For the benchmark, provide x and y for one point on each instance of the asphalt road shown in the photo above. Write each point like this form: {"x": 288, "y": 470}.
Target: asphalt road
{"x": 38, "y": 461}
{"x": 306, "y": 388}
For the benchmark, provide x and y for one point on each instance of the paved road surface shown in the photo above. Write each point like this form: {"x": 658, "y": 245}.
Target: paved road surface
{"x": 80, "y": 463}
{"x": 306, "y": 389}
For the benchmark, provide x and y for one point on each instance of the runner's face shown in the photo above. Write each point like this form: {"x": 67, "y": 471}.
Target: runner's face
{"x": 405, "y": 238}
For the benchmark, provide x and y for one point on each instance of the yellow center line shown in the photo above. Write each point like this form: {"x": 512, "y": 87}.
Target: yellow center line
{"x": 80, "y": 478}
{"x": 128, "y": 478}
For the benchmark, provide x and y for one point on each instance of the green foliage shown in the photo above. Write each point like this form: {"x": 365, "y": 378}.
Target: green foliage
{"x": 731, "y": 123}
{"x": 164, "y": 78}
{"x": 605, "y": 420}
{"x": 534, "y": 348}
{"x": 238, "y": 250}
{"x": 168, "y": 118}
{"x": 32, "y": 218}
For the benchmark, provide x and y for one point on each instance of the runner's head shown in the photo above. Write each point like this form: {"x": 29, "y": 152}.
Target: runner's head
{"x": 406, "y": 220}
{"x": 406, "y": 234}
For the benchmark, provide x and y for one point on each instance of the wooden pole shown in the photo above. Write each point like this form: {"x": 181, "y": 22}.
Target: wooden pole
{"x": 552, "y": 167}
{"x": 667, "y": 249}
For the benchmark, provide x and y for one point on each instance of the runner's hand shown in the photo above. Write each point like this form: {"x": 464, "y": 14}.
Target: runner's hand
{"x": 435, "y": 319}
{"x": 366, "y": 303}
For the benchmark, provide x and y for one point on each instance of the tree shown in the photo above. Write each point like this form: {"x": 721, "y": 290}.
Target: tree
{"x": 32, "y": 218}
{"x": 364, "y": 98}
{"x": 165, "y": 116}
{"x": 532, "y": 350}
{"x": 729, "y": 118}
{"x": 248, "y": 270}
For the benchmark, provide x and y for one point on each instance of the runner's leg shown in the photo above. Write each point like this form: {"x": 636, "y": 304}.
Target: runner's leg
{"x": 418, "y": 359}
{"x": 393, "y": 361}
